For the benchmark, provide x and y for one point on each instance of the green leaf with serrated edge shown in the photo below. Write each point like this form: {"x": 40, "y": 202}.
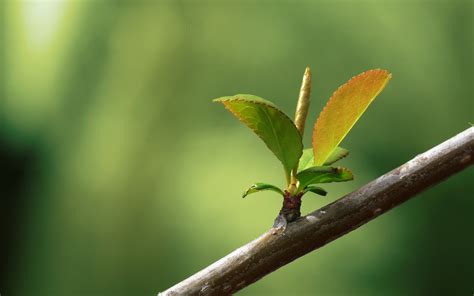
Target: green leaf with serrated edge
{"x": 273, "y": 126}
{"x": 261, "y": 187}
{"x": 338, "y": 154}
{"x": 316, "y": 175}
{"x": 307, "y": 158}
{"x": 315, "y": 189}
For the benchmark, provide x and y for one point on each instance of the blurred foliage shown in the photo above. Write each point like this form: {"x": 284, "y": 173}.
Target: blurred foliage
{"x": 139, "y": 176}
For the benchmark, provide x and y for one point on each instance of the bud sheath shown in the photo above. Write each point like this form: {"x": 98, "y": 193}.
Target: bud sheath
{"x": 303, "y": 101}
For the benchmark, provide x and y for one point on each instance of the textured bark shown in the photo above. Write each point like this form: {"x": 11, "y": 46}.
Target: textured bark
{"x": 278, "y": 247}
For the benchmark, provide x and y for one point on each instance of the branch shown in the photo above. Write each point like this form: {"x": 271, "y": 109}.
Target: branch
{"x": 275, "y": 249}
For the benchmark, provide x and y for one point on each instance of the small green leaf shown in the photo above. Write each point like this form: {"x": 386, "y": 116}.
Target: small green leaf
{"x": 316, "y": 175}
{"x": 261, "y": 187}
{"x": 338, "y": 154}
{"x": 307, "y": 158}
{"x": 315, "y": 189}
{"x": 275, "y": 128}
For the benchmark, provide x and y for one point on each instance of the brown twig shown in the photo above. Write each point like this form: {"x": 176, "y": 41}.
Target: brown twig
{"x": 274, "y": 249}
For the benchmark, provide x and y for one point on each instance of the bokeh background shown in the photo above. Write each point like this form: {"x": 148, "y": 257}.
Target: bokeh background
{"x": 120, "y": 177}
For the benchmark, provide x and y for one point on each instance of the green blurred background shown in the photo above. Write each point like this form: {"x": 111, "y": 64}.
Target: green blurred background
{"x": 120, "y": 177}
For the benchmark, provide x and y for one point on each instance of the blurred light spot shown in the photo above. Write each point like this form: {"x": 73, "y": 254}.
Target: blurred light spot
{"x": 42, "y": 19}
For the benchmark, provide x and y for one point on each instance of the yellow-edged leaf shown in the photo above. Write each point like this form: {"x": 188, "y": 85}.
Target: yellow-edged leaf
{"x": 343, "y": 110}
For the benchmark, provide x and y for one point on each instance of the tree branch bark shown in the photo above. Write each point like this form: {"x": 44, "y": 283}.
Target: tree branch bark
{"x": 274, "y": 249}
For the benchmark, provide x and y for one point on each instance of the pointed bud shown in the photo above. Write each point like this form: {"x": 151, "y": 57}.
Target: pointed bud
{"x": 303, "y": 101}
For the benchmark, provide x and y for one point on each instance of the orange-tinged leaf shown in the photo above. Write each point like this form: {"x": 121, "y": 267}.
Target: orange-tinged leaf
{"x": 343, "y": 110}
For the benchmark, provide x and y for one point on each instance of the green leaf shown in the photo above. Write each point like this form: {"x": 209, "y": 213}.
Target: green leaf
{"x": 307, "y": 158}
{"x": 338, "y": 154}
{"x": 273, "y": 126}
{"x": 343, "y": 109}
{"x": 316, "y": 175}
{"x": 261, "y": 187}
{"x": 315, "y": 189}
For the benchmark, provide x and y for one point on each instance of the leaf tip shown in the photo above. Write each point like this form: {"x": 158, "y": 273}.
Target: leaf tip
{"x": 220, "y": 100}
{"x": 350, "y": 175}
